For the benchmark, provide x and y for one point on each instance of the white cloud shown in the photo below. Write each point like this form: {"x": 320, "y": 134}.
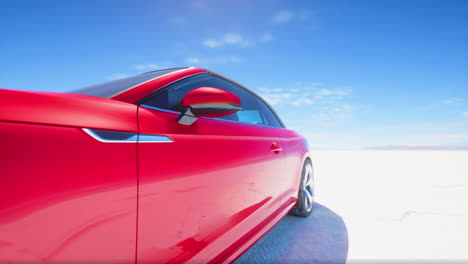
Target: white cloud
{"x": 452, "y": 101}
{"x": 327, "y": 92}
{"x": 212, "y": 43}
{"x": 232, "y": 38}
{"x": 283, "y": 16}
{"x": 286, "y": 16}
{"x": 302, "y": 101}
{"x": 217, "y": 60}
{"x": 229, "y": 39}
{"x": 303, "y": 95}
{"x": 117, "y": 76}
{"x": 276, "y": 98}
{"x": 344, "y": 108}
{"x": 266, "y": 37}
{"x": 465, "y": 114}
{"x": 332, "y": 114}
{"x": 325, "y": 106}
{"x": 193, "y": 60}
{"x": 236, "y": 40}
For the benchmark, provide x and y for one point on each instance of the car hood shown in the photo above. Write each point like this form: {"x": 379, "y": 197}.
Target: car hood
{"x": 66, "y": 109}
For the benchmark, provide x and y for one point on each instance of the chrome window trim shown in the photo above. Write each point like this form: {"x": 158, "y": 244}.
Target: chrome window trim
{"x": 136, "y": 138}
{"x": 159, "y": 109}
{"x": 132, "y": 139}
{"x": 145, "y": 138}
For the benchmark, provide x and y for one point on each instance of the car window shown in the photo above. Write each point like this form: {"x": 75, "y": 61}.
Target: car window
{"x": 252, "y": 108}
{"x": 268, "y": 115}
{"x": 112, "y": 88}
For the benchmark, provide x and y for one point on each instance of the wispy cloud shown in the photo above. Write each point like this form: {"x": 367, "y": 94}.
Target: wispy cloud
{"x": 217, "y": 60}
{"x": 286, "y": 16}
{"x": 213, "y": 43}
{"x": 452, "y": 101}
{"x": 465, "y": 114}
{"x": 303, "y": 94}
{"x": 322, "y": 93}
{"x": 266, "y": 37}
{"x": 313, "y": 103}
{"x": 332, "y": 114}
{"x": 229, "y": 39}
{"x": 276, "y": 98}
{"x": 302, "y": 101}
{"x": 117, "y": 76}
{"x": 283, "y": 16}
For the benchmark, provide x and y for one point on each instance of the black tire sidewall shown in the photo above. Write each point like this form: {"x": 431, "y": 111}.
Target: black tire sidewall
{"x": 301, "y": 209}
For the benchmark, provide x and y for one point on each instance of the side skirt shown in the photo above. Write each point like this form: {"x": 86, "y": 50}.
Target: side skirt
{"x": 242, "y": 245}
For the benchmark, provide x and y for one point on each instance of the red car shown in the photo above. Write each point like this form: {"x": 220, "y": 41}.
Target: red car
{"x": 173, "y": 165}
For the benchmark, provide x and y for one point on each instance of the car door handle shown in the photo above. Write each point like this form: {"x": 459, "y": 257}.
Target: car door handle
{"x": 275, "y": 148}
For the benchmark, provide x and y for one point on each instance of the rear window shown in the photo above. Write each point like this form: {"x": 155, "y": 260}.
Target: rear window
{"x": 113, "y": 88}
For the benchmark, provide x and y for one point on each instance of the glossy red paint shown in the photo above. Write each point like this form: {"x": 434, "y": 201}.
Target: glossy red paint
{"x": 65, "y": 196}
{"x": 209, "y": 95}
{"x": 65, "y": 109}
{"x": 214, "y": 205}
{"x": 205, "y": 197}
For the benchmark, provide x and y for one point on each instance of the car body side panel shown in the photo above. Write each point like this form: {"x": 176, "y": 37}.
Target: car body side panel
{"x": 285, "y": 181}
{"x": 66, "y": 109}
{"x": 236, "y": 250}
{"x": 65, "y": 197}
{"x": 208, "y": 189}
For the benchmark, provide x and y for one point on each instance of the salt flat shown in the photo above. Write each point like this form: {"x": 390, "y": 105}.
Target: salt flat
{"x": 398, "y": 205}
{"x": 377, "y": 206}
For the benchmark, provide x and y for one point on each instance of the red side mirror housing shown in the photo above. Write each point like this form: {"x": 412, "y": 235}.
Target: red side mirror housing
{"x": 209, "y": 95}
{"x": 208, "y": 102}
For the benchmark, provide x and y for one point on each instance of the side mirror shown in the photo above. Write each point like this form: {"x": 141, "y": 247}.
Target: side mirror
{"x": 207, "y": 102}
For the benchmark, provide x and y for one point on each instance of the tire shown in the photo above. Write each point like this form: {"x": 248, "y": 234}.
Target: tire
{"x": 305, "y": 199}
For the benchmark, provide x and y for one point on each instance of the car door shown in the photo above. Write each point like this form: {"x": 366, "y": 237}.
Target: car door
{"x": 204, "y": 187}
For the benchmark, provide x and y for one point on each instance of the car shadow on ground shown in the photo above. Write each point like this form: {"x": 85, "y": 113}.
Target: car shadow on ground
{"x": 320, "y": 238}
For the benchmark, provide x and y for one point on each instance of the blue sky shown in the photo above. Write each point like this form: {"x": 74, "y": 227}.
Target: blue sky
{"x": 346, "y": 74}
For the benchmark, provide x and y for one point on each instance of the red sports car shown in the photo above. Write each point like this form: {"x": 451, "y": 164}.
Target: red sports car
{"x": 175, "y": 165}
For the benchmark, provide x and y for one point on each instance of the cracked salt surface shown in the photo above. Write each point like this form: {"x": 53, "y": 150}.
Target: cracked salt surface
{"x": 395, "y": 206}
{"x": 398, "y": 205}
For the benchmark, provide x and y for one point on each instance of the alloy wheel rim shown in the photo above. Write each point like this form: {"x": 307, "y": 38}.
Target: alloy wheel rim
{"x": 308, "y": 187}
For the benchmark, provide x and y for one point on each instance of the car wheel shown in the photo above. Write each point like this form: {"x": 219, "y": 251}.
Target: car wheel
{"x": 305, "y": 199}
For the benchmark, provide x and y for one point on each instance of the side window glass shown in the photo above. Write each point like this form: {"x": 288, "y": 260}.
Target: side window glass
{"x": 269, "y": 117}
{"x": 252, "y": 108}
{"x": 172, "y": 95}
